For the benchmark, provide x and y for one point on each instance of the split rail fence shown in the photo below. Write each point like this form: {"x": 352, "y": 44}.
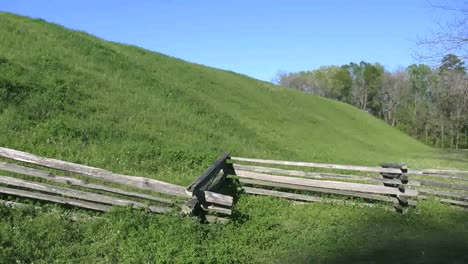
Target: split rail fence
{"x": 38, "y": 183}
{"x": 388, "y": 183}
{"x": 98, "y": 189}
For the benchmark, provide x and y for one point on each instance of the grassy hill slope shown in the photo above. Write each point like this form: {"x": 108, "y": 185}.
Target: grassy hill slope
{"x": 72, "y": 96}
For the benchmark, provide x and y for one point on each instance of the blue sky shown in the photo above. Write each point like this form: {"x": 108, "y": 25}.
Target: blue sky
{"x": 256, "y": 38}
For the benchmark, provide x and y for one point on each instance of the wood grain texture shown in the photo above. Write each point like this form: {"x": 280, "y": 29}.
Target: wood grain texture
{"x": 202, "y": 182}
{"x": 453, "y": 173}
{"x": 54, "y": 199}
{"x": 216, "y": 209}
{"x": 286, "y": 195}
{"x": 300, "y": 197}
{"x": 202, "y": 189}
{"x": 304, "y": 197}
{"x": 77, "y": 182}
{"x": 453, "y": 202}
{"x": 319, "y": 165}
{"x": 135, "y": 181}
{"x": 87, "y": 196}
{"x": 461, "y": 196}
{"x": 218, "y": 181}
{"x": 449, "y": 201}
{"x": 320, "y": 190}
{"x": 216, "y": 198}
{"x": 319, "y": 175}
{"x": 449, "y": 177}
{"x": 343, "y": 186}
{"x": 445, "y": 172}
{"x": 188, "y": 208}
{"x": 444, "y": 185}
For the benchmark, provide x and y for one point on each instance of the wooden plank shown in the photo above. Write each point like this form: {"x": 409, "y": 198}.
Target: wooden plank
{"x": 228, "y": 169}
{"x": 203, "y": 197}
{"x": 138, "y": 182}
{"x": 216, "y": 198}
{"x": 319, "y": 175}
{"x": 286, "y": 195}
{"x": 76, "y": 182}
{"x": 188, "y": 208}
{"x": 449, "y": 201}
{"x": 55, "y": 199}
{"x": 444, "y": 185}
{"x": 87, "y": 196}
{"x": 461, "y": 196}
{"x": 450, "y": 177}
{"x": 445, "y": 172}
{"x": 354, "y": 167}
{"x": 402, "y": 167}
{"x": 202, "y": 182}
{"x": 414, "y": 172}
{"x": 453, "y": 202}
{"x": 319, "y": 165}
{"x": 210, "y": 180}
{"x": 297, "y": 197}
{"x": 218, "y": 181}
{"x": 344, "y": 186}
{"x": 216, "y": 209}
{"x": 320, "y": 190}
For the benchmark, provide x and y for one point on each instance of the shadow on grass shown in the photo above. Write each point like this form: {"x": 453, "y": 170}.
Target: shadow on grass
{"x": 435, "y": 234}
{"x": 232, "y": 188}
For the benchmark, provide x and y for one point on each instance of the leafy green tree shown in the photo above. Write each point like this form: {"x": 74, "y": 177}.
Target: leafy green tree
{"x": 420, "y": 78}
{"x": 452, "y": 63}
{"x": 366, "y": 82}
{"x": 429, "y": 104}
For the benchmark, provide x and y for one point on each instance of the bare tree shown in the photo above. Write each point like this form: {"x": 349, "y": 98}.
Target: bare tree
{"x": 395, "y": 86}
{"x": 449, "y": 37}
{"x": 451, "y": 96}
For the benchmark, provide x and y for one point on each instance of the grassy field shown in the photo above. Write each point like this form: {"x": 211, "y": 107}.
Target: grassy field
{"x": 72, "y": 96}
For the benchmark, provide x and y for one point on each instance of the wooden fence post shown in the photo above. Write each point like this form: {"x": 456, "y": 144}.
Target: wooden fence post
{"x": 403, "y": 177}
{"x": 210, "y": 180}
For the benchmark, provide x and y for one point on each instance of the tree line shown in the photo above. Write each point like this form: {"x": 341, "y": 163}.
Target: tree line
{"x": 430, "y": 104}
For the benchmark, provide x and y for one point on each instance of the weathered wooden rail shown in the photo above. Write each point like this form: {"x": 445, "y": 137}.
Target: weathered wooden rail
{"x": 397, "y": 187}
{"x": 392, "y": 185}
{"x": 174, "y": 195}
{"x": 210, "y": 180}
{"x": 388, "y": 183}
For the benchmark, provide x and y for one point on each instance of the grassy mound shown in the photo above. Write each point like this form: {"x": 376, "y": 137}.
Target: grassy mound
{"x": 72, "y": 96}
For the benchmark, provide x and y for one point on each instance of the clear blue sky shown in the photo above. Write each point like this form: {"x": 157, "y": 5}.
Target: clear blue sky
{"x": 256, "y": 38}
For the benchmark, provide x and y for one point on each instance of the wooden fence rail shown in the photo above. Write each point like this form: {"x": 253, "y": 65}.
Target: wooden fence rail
{"x": 202, "y": 197}
{"x": 364, "y": 196}
{"x": 334, "y": 185}
{"x": 101, "y": 174}
{"x": 20, "y": 187}
{"x": 210, "y": 180}
{"x": 438, "y": 183}
{"x": 55, "y": 199}
{"x": 320, "y": 175}
{"x": 382, "y": 169}
{"x": 319, "y": 165}
{"x": 87, "y": 196}
{"x": 15, "y": 168}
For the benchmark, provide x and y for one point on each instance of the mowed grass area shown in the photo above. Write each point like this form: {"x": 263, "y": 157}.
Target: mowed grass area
{"x": 68, "y": 95}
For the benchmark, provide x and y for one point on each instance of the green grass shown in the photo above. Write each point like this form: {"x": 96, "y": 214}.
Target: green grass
{"x": 68, "y": 95}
